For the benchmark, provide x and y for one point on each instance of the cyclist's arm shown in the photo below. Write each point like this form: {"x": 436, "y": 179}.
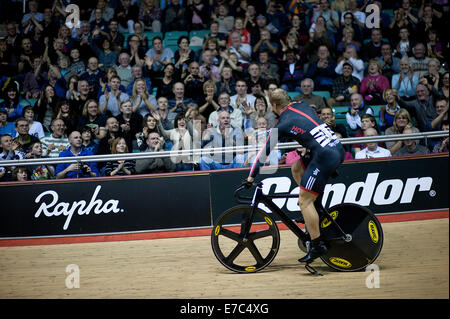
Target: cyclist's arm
{"x": 271, "y": 142}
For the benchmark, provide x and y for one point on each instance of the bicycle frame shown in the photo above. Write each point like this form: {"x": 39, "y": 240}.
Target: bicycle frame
{"x": 259, "y": 197}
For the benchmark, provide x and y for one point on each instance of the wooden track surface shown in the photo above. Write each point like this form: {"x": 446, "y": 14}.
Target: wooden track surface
{"x": 414, "y": 263}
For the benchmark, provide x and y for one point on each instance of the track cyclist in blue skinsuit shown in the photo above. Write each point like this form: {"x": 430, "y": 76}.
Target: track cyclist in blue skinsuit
{"x": 299, "y": 122}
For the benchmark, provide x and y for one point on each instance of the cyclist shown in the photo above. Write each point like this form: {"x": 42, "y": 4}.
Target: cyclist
{"x": 299, "y": 121}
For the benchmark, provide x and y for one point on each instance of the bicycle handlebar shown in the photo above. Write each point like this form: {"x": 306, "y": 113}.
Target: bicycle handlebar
{"x": 244, "y": 199}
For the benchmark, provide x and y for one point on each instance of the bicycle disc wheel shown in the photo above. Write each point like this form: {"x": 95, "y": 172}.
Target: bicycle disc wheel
{"x": 366, "y": 241}
{"x": 240, "y": 252}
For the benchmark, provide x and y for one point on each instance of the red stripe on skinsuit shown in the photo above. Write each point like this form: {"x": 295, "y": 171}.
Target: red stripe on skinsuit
{"x": 305, "y": 115}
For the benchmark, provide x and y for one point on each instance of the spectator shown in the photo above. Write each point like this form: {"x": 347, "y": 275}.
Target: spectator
{"x": 113, "y": 131}
{"x": 319, "y": 35}
{"x": 88, "y": 136}
{"x": 57, "y": 141}
{"x": 181, "y": 139}
{"x": 265, "y": 43}
{"x": 165, "y": 85}
{"x": 223, "y": 135}
{"x": 110, "y": 100}
{"x": 92, "y": 117}
{"x": 410, "y": 146}
{"x": 103, "y": 49}
{"x": 441, "y": 106}
{"x": 77, "y": 66}
{"x": 405, "y": 81}
{"x": 11, "y": 105}
{"x": 434, "y": 46}
{"x": 372, "y": 150}
{"x": 215, "y": 34}
{"x": 154, "y": 165}
{"x": 269, "y": 70}
{"x": 443, "y": 90}
{"x": 344, "y": 86}
{"x": 255, "y": 82}
{"x": 197, "y": 14}
{"x": 76, "y": 170}
{"x": 142, "y": 100}
{"x": 149, "y": 125}
{"x": 323, "y": 70}
{"x": 432, "y": 75}
{"x": 82, "y": 37}
{"x": 175, "y": 17}
{"x": 9, "y": 152}
{"x": 349, "y": 21}
{"x": 42, "y": 171}
{"x": 97, "y": 22}
{"x": 357, "y": 109}
{"x": 33, "y": 16}
{"x": 388, "y": 111}
{"x": 257, "y": 137}
{"x": 223, "y": 19}
{"x": 106, "y": 11}
{"x": 130, "y": 122}
{"x": 443, "y": 145}
{"x": 422, "y": 108}
{"x": 390, "y": 64}
{"x": 208, "y": 70}
{"x": 163, "y": 112}
{"x": 402, "y": 119}
{"x": 20, "y": 174}
{"x": 374, "y": 84}
{"x": 419, "y": 60}
{"x": 116, "y": 37}
{"x": 331, "y": 17}
{"x": 240, "y": 29}
{"x": 158, "y": 56}
{"x": 93, "y": 75}
{"x": 307, "y": 96}
{"x": 35, "y": 78}
{"x": 405, "y": 44}
{"x": 66, "y": 113}
{"x": 372, "y": 49}
{"x": 8, "y": 60}
{"x": 125, "y": 15}
{"x": 208, "y": 104}
{"x": 142, "y": 40}
{"x": 348, "y": 39}
{"x": 351, "y": 57}
{"x": 261, "y": 111}
{"x": 179, "y": 102}
{"x": 45, "y": 106}
{"x": 137, "y": 73}
{"x": 327, "y": 116}
{"x": 24, "y": 56}
{"x": 184, "y": 56}
{"x": 227, "y": 83}
{"x": 241, "y": 96}
{"x": 212, "y": 44}
{"x": 6, "y": 127}
{"x": 360, "y": 16}
{"x": 291, "y": 72}
{"x": 367, "y": 121}
{"x": 236, "y": 115}
{"x": 124, "y": 69}
{"x": 120, "y": 167}
{"x": 242, "y": 50}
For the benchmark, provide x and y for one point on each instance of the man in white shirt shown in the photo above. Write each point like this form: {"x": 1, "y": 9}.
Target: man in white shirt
{"x": 242, "y": 96}
{"x": 56, "y": 142}
{"x": 236, "y": 115}
{"x": 372, "y": 150}
{"x": 242, "y": 50}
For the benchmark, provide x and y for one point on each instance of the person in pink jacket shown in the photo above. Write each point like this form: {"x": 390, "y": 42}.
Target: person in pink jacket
{"x": 374, "y": 84}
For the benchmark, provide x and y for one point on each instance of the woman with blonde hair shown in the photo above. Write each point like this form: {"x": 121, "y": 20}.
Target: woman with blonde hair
{"x": 388, "y": 111}
{"x": 143, "y": 102}
{"x": 402, "y": 119}
{"x": 210, "y": 105}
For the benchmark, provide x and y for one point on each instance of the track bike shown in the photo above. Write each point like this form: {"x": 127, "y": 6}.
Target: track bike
{"x": 246, "y": 238}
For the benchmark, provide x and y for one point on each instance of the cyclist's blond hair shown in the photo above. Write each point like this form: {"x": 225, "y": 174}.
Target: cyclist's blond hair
{"x": 280, "y": 98}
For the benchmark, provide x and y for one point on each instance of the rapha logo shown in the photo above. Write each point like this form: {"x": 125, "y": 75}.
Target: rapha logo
{"x": 51, "y": 207}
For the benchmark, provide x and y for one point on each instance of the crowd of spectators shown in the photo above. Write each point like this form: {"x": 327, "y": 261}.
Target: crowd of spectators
{"x": 112, "y": 83}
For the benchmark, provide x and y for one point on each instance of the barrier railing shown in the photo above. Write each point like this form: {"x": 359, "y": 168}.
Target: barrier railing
{"x": 205, "y": 151}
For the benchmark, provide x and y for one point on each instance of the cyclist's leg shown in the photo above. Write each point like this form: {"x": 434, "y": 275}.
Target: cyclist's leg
{"x": 306, "y": 202}
{"x": 297, "y": 171}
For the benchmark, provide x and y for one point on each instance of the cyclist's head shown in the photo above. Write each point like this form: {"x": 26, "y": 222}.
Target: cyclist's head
{"x": 279, "y": 100}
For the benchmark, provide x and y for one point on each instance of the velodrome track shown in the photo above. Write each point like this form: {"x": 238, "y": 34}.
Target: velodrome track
{"x": 414, "y": 263}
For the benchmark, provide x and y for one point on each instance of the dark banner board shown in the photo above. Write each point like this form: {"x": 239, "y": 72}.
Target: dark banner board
{"x": 174, "y": 201}
{"x": 79, "y": 207}
{"x": 385, "y": 186}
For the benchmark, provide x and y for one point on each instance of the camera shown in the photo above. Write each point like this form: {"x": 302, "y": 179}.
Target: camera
{"x": 84, "y": 169}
